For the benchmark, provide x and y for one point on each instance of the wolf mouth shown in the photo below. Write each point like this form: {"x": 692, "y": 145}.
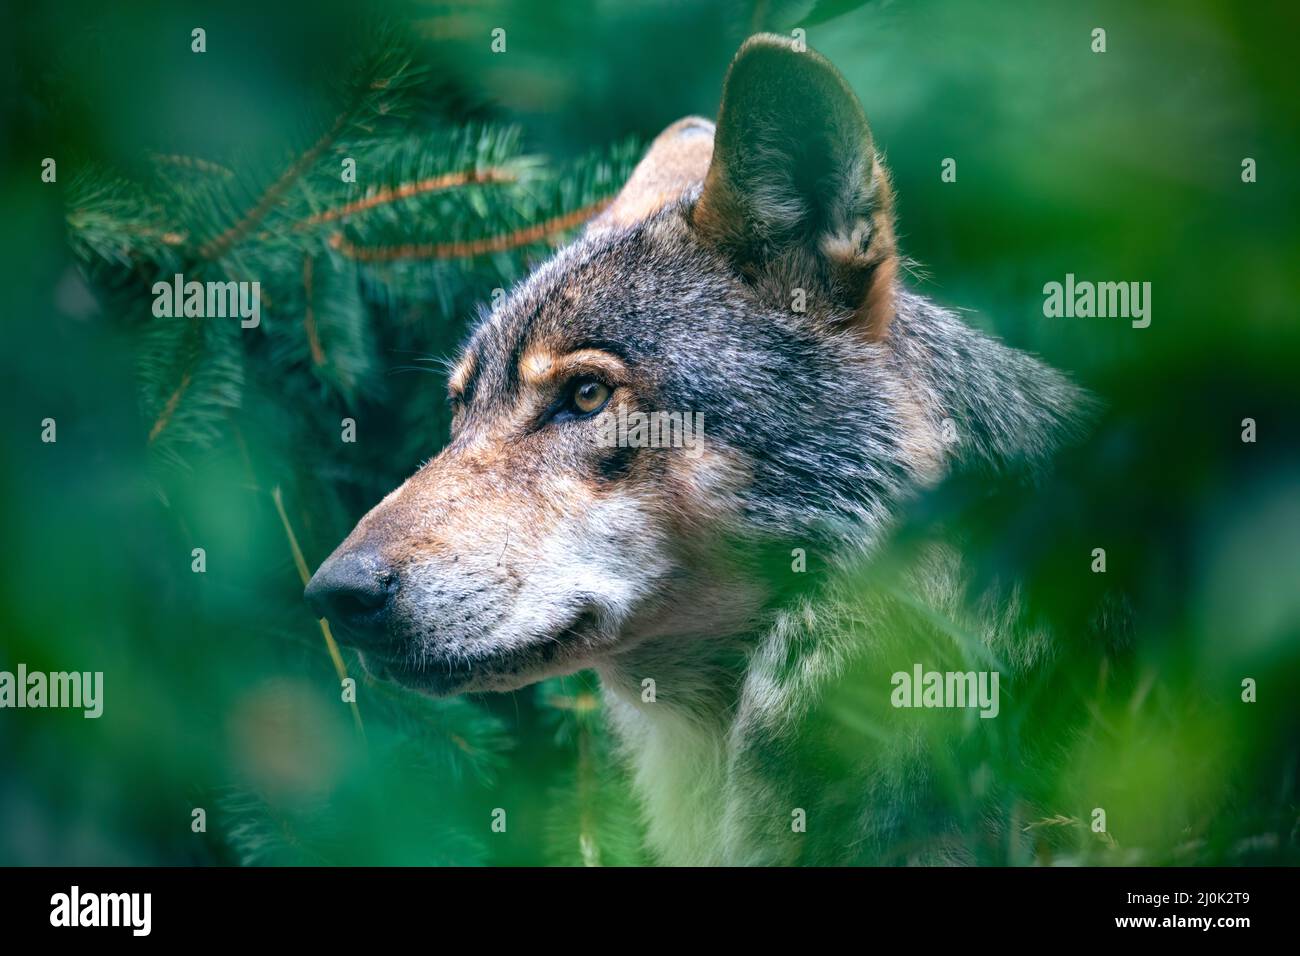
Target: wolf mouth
{"x": 443, "y": 674}
{"x": 440, "y": 677}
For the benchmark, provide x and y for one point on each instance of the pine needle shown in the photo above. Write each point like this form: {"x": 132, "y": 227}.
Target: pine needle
{"x": 339, "y": 667}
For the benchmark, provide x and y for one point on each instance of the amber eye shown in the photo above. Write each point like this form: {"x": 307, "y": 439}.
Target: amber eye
{"x": 589, "y": 395}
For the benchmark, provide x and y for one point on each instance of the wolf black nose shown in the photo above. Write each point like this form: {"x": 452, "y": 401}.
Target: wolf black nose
{"x": 353, "y": 591}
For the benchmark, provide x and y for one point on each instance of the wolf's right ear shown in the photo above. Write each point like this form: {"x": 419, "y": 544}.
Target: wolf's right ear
{"x": 795, "y": 172}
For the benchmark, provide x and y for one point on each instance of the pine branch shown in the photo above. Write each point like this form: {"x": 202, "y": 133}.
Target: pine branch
{"x": 114, "y": 221}
{"x": 324, "y": 328}
{"x": 467, "y": 250}
{"x": 375, "y": 92}
{"x": 191, "y": 375}
{"x": 454, "y": 737}
{"x": 309, "y": 317}
{"x": 169, "y": 408}
{"x": 474, "y": 177}
{"x": 216, "y": 248}
{"x": 593, "y": 820}
{"x": 194, "y": 164}
{"x": 262, "y": 833}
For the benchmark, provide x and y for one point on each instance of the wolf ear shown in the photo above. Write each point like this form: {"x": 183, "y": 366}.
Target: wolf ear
{"x": 794, "y": 169}
{"x": 676, "y": 161}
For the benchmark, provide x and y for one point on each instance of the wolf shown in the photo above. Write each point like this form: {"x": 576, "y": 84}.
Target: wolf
{"x": 748, "y": 273}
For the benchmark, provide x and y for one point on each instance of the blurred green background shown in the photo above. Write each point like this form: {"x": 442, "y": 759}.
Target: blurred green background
{"x": 1122, "y": 166}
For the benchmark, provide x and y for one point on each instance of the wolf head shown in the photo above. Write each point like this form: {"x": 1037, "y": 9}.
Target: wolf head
{"x": 723, "y": 367}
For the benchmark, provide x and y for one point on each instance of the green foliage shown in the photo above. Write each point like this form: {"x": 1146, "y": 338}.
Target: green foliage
{"x": 173, "y": 433}
{"x": 591, "y": 819}
{"x": 349, "y": 268}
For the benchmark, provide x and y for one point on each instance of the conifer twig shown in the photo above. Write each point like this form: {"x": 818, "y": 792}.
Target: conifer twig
{"x": 309, "y": 315}
{"x": 339, "y": 667}
{"x": 216, "y": 248}
{"x": 473, "y": 177}
{"x": 588, "y": 848}
{"x": 467, "y": 249}
{"x": 195, "y": 163}
{"x": 169, "y": 409}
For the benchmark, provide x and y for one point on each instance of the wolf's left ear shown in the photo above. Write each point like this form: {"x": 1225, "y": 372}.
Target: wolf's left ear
{"x": 675, "y": 162}
{"x": 794, "y": 170}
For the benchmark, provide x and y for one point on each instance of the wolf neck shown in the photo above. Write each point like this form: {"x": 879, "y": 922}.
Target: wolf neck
{"x": 673, "y": 735}
{"x": 717, "y": 702}
{"x": 692, "y": 746}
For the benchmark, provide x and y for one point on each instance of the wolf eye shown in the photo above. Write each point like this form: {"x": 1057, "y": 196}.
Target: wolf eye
{"x": 589, "y": 396}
